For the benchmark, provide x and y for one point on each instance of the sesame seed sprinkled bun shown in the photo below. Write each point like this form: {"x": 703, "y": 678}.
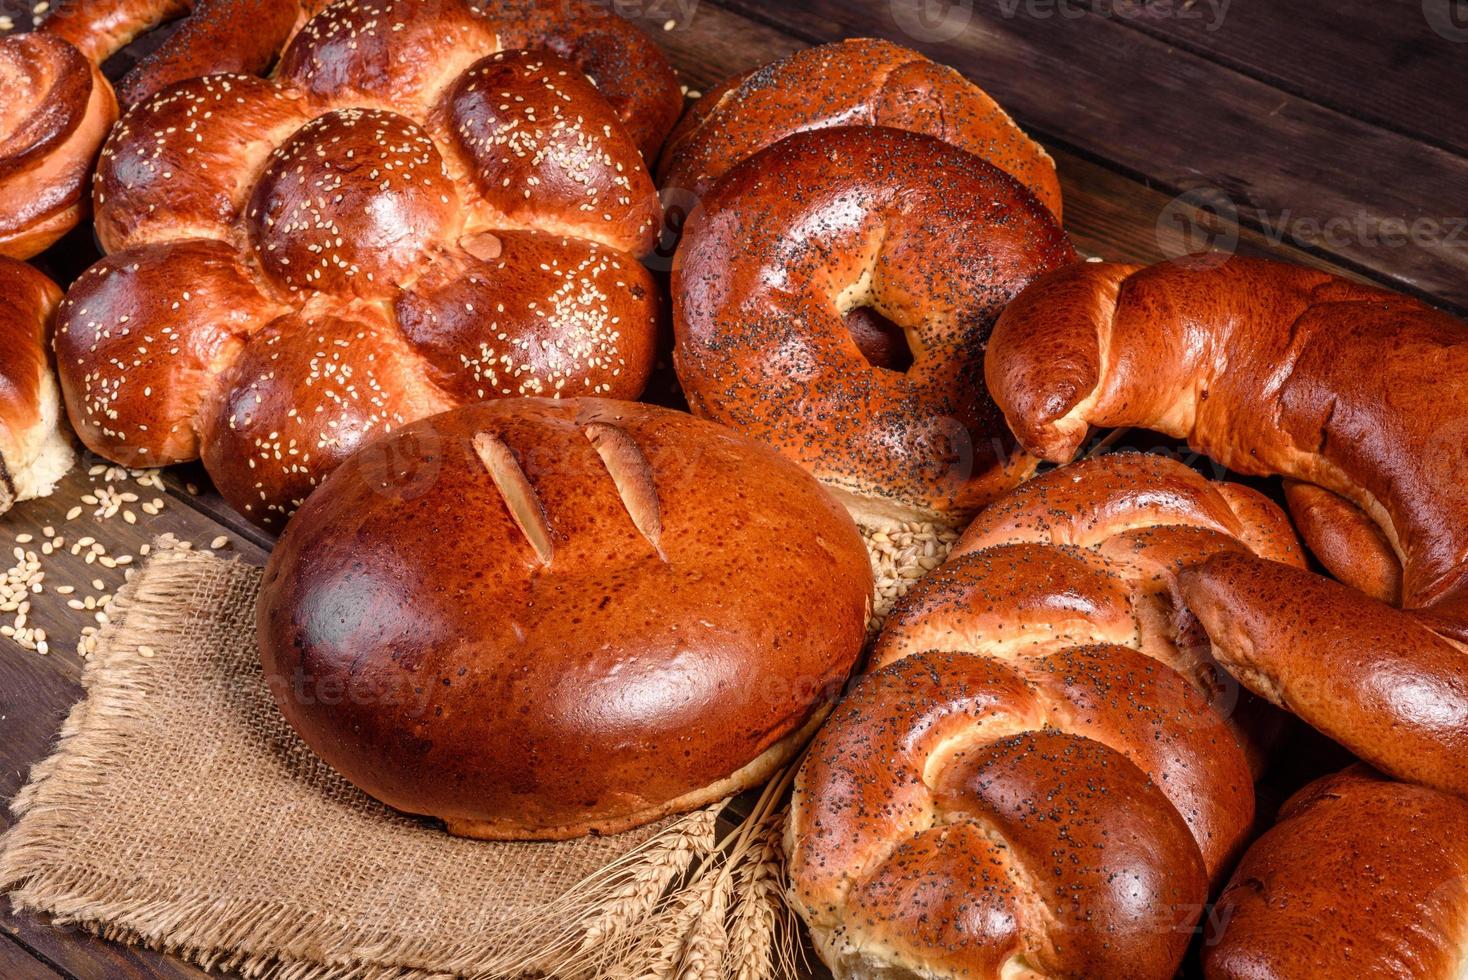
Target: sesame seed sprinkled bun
{"x": 548, "y": 618}
{"x": 425, "y": 205}
{"x": 58, "y": 107}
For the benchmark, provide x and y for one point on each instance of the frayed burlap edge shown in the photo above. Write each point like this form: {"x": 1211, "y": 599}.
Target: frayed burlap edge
{"x": 243, "y": 936}
{"x": 686, "y": 902}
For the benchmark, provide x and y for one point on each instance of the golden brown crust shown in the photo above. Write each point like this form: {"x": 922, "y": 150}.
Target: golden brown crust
{"x": 56, "y": 110}
{"x": 1371, "y": 677}
{"x": 1346, "y": 541}
{"x": 862, "y": 81}
{"x": 1268, "y": 368}
{"x": 1057, "y": 614}
{"x": 1275, "y": 369}
{"x": 586, "y": 569}
{"x": 241, "y": 36}
{"x": 947, "y": 820}
{"x": 35, "y": 448}
{"x": 1400, "y": 851}
{"x": 441, "y": 220}
{"x": 825, "y": 225}
{"x": 1091, "y": 553}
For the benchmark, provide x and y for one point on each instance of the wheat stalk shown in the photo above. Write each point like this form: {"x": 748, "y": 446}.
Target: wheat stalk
{"x": 708, "y": 938}
{"x": 659, "y": 952}
{"x": 728, "y": 919}
{"x": 752, "y": 925}
{"x": 650, "y": 878}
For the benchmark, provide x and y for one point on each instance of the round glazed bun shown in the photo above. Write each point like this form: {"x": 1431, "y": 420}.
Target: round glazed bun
{"x": 1361, "y": 877}
{"x": 862, "y": 81}
{"x": 35, "y": 445}
{"x": 833, "y": 298}
{"x": 538, "y": 619}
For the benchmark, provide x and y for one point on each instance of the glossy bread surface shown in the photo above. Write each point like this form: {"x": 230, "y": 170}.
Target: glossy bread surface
{"x": 561, "y": 616}
{"x": 838, "y": 223}
{"x": 412, "y": 213}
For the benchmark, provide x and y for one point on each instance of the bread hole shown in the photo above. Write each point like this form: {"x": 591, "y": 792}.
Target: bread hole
{"x": 519, "y": 496}
{"x": 883, "y": 343}
{"x": 632, "y": 475}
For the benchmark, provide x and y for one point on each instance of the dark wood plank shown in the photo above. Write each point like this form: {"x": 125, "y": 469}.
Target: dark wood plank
{"x": 1322, "y": 181}
{"x": 78, "y": 954}
{"x": 1384, "y": 62}
{"x": 17, "y": 963}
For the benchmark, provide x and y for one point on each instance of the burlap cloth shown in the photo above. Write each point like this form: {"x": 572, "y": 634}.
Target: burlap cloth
{"x": 179, "y": 811}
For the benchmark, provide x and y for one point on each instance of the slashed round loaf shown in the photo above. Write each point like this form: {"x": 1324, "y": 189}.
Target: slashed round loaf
{"x": 426, "y": 205}
{"x": 539, "y": 619}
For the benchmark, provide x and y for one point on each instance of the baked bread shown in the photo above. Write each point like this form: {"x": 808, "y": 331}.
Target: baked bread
{"x": 862, "y": 81}
{"x": 1097, "y": 548}
{"x": 1275, "y": 369}
{"x": 1374, "y": 407}
{"x": 414, "y": 213}
{"x": 35, "y": 445}
{"x": 242, "y": 36}
{"x": 1038, "y": 778}
{"x": 562, "y": 616}
{"x": 1389, "y": 685}
{"x": 58, "y": 107}
{"x": 1345, "y": 540}
{"x": 1362, "y": 877}
{"x": 818, "y": 269}
{"x": 55, "y": 113}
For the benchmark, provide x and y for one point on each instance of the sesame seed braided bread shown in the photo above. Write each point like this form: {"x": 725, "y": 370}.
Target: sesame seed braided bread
{"x": 427, "y": 204}
{"x": 58, "y": 107}
{"x": 1040, "y": 777}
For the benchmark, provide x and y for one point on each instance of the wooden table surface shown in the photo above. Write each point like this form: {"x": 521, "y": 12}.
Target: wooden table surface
{"x": 1330, "y": 134}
